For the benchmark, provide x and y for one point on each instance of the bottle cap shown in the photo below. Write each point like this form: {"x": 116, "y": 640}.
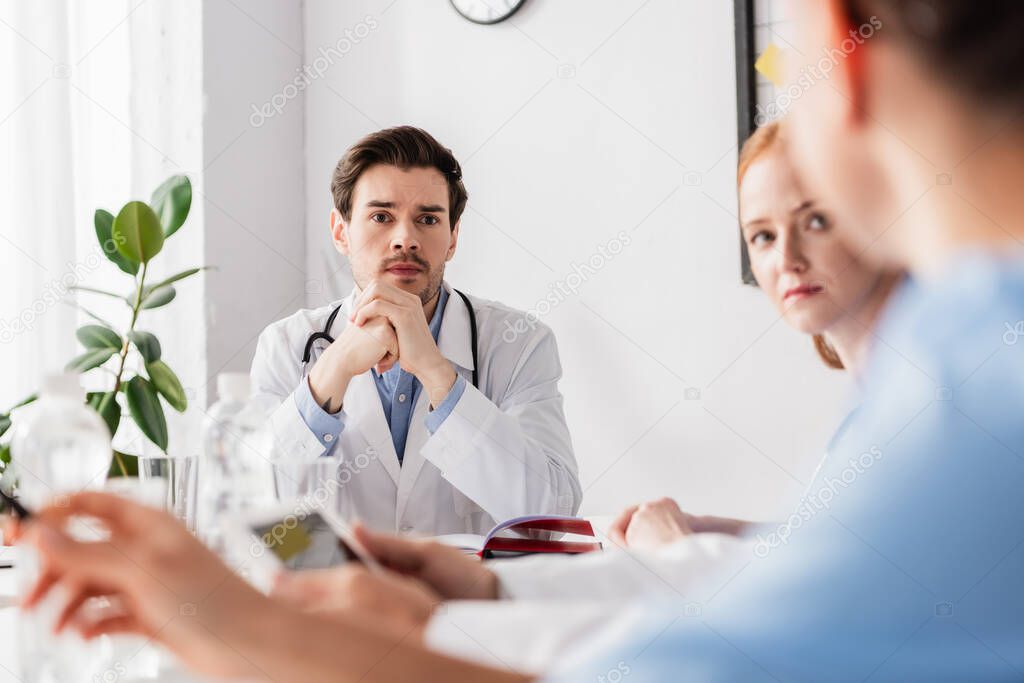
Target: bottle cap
{"x": 233, "y": 386}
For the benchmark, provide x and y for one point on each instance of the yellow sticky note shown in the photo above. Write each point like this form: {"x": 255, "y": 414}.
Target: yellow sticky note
{"x": 770, "y": 64}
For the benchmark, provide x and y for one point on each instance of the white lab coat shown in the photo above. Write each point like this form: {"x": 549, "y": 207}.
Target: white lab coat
{"x": 504, "y": 451}
{"x": 560, "y": 611}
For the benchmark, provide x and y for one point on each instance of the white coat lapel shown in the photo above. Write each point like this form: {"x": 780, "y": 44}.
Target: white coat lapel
{"x": 454, "y": 343}
{"x": 364, "y": 413}
{"x": 454, "y": 339}
{"x": 363, "y": 410}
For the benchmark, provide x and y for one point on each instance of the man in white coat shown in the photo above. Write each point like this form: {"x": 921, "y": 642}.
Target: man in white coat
{"x": 443, "y": 407}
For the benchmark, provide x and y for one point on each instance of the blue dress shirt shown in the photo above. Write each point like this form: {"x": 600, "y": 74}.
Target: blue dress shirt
{"x": 398, "y": 391}
{"x": 915, "y": 572}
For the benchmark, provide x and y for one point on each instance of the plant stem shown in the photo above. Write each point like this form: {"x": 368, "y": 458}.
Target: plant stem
{"x": 124, "y": 348}
{"x": 120, "y": 464}
{"x": 131, "y": 328}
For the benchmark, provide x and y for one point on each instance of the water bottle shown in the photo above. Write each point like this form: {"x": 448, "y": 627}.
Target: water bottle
{"x": 235, "y": 473}
{"x": 60, "y": 445}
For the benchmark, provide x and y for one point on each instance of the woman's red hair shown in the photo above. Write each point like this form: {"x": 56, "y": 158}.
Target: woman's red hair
{"x": 766, "y": 139}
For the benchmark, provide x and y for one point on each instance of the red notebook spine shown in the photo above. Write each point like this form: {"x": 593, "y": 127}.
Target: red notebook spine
{"x": 569, "y": 526}
{"x": 529, "y": 545}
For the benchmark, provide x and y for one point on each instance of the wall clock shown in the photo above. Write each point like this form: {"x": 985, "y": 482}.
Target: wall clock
{"x": 487, "y": 11}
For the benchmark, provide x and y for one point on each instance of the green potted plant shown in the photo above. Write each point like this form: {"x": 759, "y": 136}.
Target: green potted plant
{"x": 139, "y": 388}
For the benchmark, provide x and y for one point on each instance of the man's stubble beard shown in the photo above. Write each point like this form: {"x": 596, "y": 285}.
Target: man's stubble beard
{"x": 434, "y": 279}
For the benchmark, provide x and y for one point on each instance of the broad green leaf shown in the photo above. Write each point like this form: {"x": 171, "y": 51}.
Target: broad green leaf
{"x": 137, "y": 232}
{"x": 160, "y": 298}
{"x": 104, "y": 221}
{"x": 98, "y": 337}
{"x": 105, "y": 403}
{"x": 166, "y": 382}
{"x": 124, "y": 465}
{"x": 172, "y": 201}
{"x": 147, "y": 344}
{"x": 5, "y": 453}
{"x": 5, "y": 424}
{"x": 144, "y": 406}
{"x": 93, "y": 358}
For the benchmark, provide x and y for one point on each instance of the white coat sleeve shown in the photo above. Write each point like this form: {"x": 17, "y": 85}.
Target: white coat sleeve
{"x": 275, "y": 376}
{"x": 528, "y": 636}
{"x": 672, "y": 571}
{"x": 564, "y": 609}
{"x": 514, "y": 456}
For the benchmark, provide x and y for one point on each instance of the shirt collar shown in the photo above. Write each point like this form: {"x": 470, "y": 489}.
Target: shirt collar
{"x": 435, "y": 321}
{"x": 456, "y": 333}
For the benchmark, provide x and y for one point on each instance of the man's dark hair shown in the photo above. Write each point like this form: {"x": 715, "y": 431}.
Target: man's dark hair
{"x": 404, "y": 147}
{"x": 973, "y": 46}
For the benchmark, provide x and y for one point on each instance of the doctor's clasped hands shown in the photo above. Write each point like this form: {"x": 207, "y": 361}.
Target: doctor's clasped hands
{"x": 357, "y": 349}
{"x": 417, "y": 350}
{"x": 388, "y": 327}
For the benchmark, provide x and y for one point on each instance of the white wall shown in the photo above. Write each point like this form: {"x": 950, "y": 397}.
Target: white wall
{"x": 576, "y": 120}
{"x": 252, "y": 176}
{"x": 199, "y": 68}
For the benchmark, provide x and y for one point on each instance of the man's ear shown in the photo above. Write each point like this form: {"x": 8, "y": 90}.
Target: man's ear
{"x": 339, "y": 232}
{"x": 454, "y": 242}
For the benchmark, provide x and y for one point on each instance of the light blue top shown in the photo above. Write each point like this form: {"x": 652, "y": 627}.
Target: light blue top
{"x": 398, "y": 392}
{"x": 915, "y": 571}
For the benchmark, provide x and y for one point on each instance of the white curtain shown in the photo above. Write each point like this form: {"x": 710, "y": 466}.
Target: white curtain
{"x": 99, "y": 102}
{"x": 62, "y": 156}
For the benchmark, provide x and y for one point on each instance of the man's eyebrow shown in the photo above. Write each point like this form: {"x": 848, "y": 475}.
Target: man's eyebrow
{"x": 426, "y": 208}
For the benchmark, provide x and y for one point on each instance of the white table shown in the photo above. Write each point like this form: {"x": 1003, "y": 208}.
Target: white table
{"x": 144, "y": 661}
{"x": 8, "y": 626}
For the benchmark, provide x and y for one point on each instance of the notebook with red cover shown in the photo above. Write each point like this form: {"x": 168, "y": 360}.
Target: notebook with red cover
{"x": 526, "y": 535}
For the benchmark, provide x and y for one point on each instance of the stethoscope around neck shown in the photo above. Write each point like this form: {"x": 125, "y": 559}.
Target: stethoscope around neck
{"x": 325, "y": 334}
